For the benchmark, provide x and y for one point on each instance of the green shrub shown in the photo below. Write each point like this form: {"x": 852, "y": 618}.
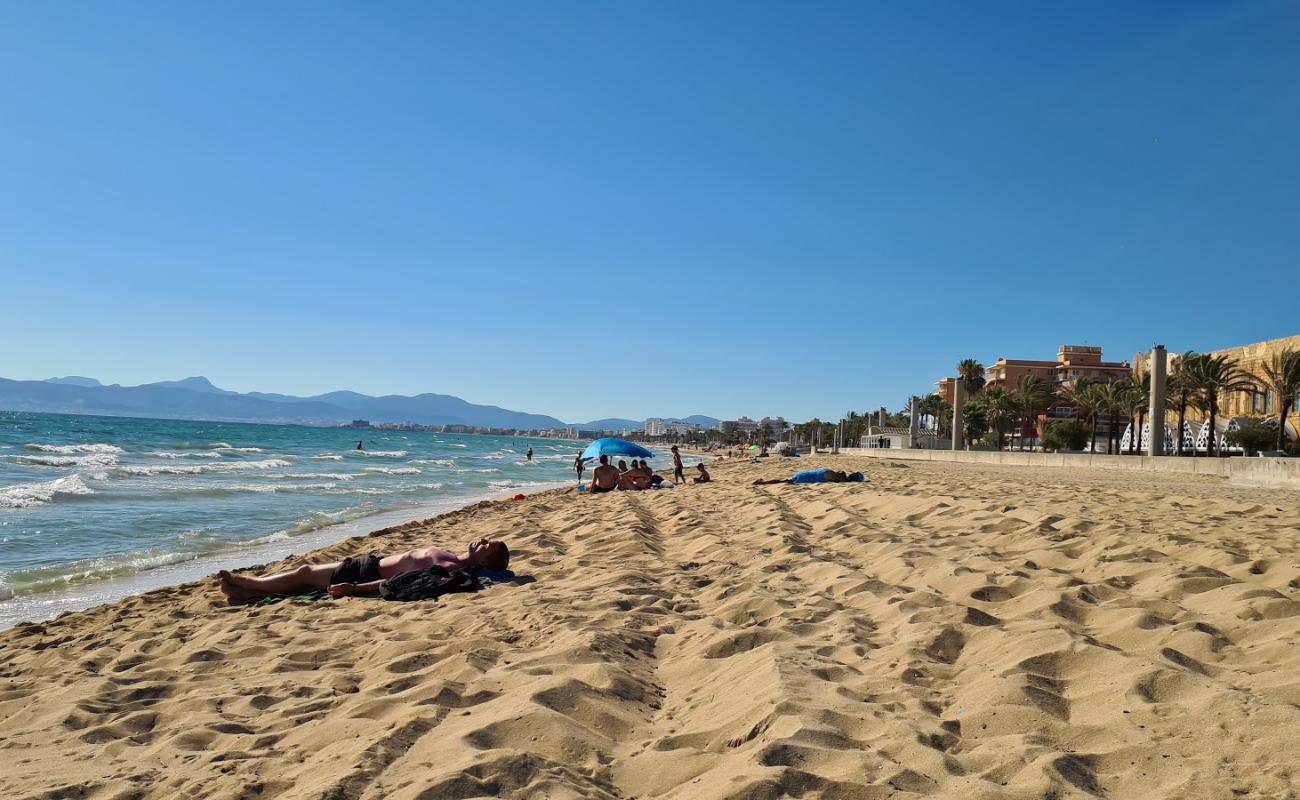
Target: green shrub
{"x": 1253, "y": 436}
{"x": 1065, "y": 434}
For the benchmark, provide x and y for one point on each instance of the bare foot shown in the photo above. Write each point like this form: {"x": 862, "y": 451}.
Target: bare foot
{"x": 233, "y": 591}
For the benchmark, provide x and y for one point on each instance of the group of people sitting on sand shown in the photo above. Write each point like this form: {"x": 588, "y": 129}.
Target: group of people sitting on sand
{"x": 638, "y": 476}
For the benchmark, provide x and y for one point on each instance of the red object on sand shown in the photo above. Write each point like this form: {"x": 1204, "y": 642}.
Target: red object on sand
{"x": 519, "y": 497}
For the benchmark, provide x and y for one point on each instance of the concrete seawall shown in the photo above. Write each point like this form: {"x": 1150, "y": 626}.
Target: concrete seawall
{"x": 1277, "y": 472}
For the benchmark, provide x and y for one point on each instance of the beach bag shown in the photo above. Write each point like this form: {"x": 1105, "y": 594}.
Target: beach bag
{"x": 428, "y": 584}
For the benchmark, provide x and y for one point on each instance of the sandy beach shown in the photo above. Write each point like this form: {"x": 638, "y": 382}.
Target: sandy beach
{"x": 941, "y": 630}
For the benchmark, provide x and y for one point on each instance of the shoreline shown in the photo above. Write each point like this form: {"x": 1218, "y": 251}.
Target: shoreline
{"x": 35, "y": 607}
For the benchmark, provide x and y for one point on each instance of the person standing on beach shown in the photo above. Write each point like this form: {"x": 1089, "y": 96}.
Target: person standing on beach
{"x": 529, "y": 454}
{"x": 678, "y": 475}
{"x": 578, "y": 466}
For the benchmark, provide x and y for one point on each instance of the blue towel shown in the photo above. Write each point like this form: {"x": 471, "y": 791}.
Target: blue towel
{"x": 809, "y": 476}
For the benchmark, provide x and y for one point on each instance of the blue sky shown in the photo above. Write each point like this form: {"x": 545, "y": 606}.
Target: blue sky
{"x": 619, "y": 209}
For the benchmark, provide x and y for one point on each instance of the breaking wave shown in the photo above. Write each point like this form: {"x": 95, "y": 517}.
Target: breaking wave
{"x": 92, "y": 460}
{"x": 74, "y": 448}
{"x": 202, "y": 469}
{"x": 35, "y": 494}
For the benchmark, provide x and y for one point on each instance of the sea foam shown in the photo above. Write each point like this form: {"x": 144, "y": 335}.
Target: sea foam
{"x": 74, "y": 448}
{"x": 203, "y": 469}
{"x": 91, "y": 460}
{"x": 35, "y": 494}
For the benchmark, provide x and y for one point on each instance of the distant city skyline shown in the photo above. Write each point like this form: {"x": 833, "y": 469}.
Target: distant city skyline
{"x": 585, "y": 210}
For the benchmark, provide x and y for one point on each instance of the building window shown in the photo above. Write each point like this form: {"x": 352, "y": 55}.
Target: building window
{"x": 1254, "y": 402}
{"x": 1268, "y": 401}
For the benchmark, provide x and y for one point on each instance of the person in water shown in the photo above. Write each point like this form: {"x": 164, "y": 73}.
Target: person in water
{"x": 361, "y": 575}
{"x": 359, "y": 447}
{"x": 704, "y": 474}
{"x": 679, "y": 475}
{"x": 816, "y": 476}
{"x": 604, "y": 478}
{"x": 529, "y": 454}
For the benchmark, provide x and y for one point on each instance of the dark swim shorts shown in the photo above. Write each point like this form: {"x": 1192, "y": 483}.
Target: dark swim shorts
{"x": 362, "y": 569}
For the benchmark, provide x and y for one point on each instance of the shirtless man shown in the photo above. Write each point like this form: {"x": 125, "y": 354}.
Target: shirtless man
{"x": 363, "y": 574}
{"x": 678, "y": 474}
{"x": 604, "y": 478}
{"x": 704, "y": 474}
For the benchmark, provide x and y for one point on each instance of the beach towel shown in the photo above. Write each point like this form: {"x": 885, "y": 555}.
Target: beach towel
{"x": 434, "y": 582}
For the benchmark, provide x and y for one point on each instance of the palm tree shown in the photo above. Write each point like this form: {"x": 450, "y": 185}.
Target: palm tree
{"x": 999, "y": 410}
{"x": 1181, "y": 386}
{"x": 1133, "y": 403}
{"x": 1034, "y": 393}
{"x": 1083, "y": 395}
{"x": 1217, "y": 376}
{"x": 1282, "y": 377}
{"x": 971, "y": 374}
{"x": 933, "y": 406}
{"x": 1110, "y": 396}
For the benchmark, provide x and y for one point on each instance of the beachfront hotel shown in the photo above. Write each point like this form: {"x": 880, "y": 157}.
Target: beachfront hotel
{"x": 1073, "y": 361}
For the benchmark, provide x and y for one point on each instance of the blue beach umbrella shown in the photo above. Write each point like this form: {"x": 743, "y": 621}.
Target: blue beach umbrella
{"x": 615, "y": 447}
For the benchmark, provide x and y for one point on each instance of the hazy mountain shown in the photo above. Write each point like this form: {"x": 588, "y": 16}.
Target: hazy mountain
{"x": 701, "y": 420}
{"x": 195, "y": 384}
{"x": 198, "y": 398}
{"x": 610, "y": 424}
{"x": 75, "y": 380}
{"x": 617, "y": 424}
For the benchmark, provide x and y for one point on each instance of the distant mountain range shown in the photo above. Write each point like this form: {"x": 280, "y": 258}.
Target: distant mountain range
{"x": 198, "y": 398}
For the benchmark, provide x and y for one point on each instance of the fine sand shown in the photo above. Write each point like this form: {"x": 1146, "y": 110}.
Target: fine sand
{"x": 942, "y": 630}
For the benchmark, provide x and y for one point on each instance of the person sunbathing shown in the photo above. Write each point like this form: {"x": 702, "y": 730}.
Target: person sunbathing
{"x": 816, "y": 476}
{"x": 361, "y": 575}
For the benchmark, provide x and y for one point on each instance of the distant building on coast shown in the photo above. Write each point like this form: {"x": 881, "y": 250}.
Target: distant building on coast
{"x": 742, "y": 425}
{"x": 656, "y": 427}
{"x": 1072, "y": 362}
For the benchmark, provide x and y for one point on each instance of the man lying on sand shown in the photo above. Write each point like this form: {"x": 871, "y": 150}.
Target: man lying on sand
{"x": 362, "y": 575}
{"x": 816, "y": 476}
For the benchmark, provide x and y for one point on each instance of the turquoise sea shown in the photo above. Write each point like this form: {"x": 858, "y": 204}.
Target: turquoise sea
{"x": 93, "y": 508}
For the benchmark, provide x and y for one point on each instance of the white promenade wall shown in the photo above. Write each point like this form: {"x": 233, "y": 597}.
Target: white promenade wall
{"x": 1279, "y": 472}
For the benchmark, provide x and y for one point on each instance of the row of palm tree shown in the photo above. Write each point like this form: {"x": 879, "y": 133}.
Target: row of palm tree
{"x": 1197, "y": 380}
{"x": 997, "y": 408}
